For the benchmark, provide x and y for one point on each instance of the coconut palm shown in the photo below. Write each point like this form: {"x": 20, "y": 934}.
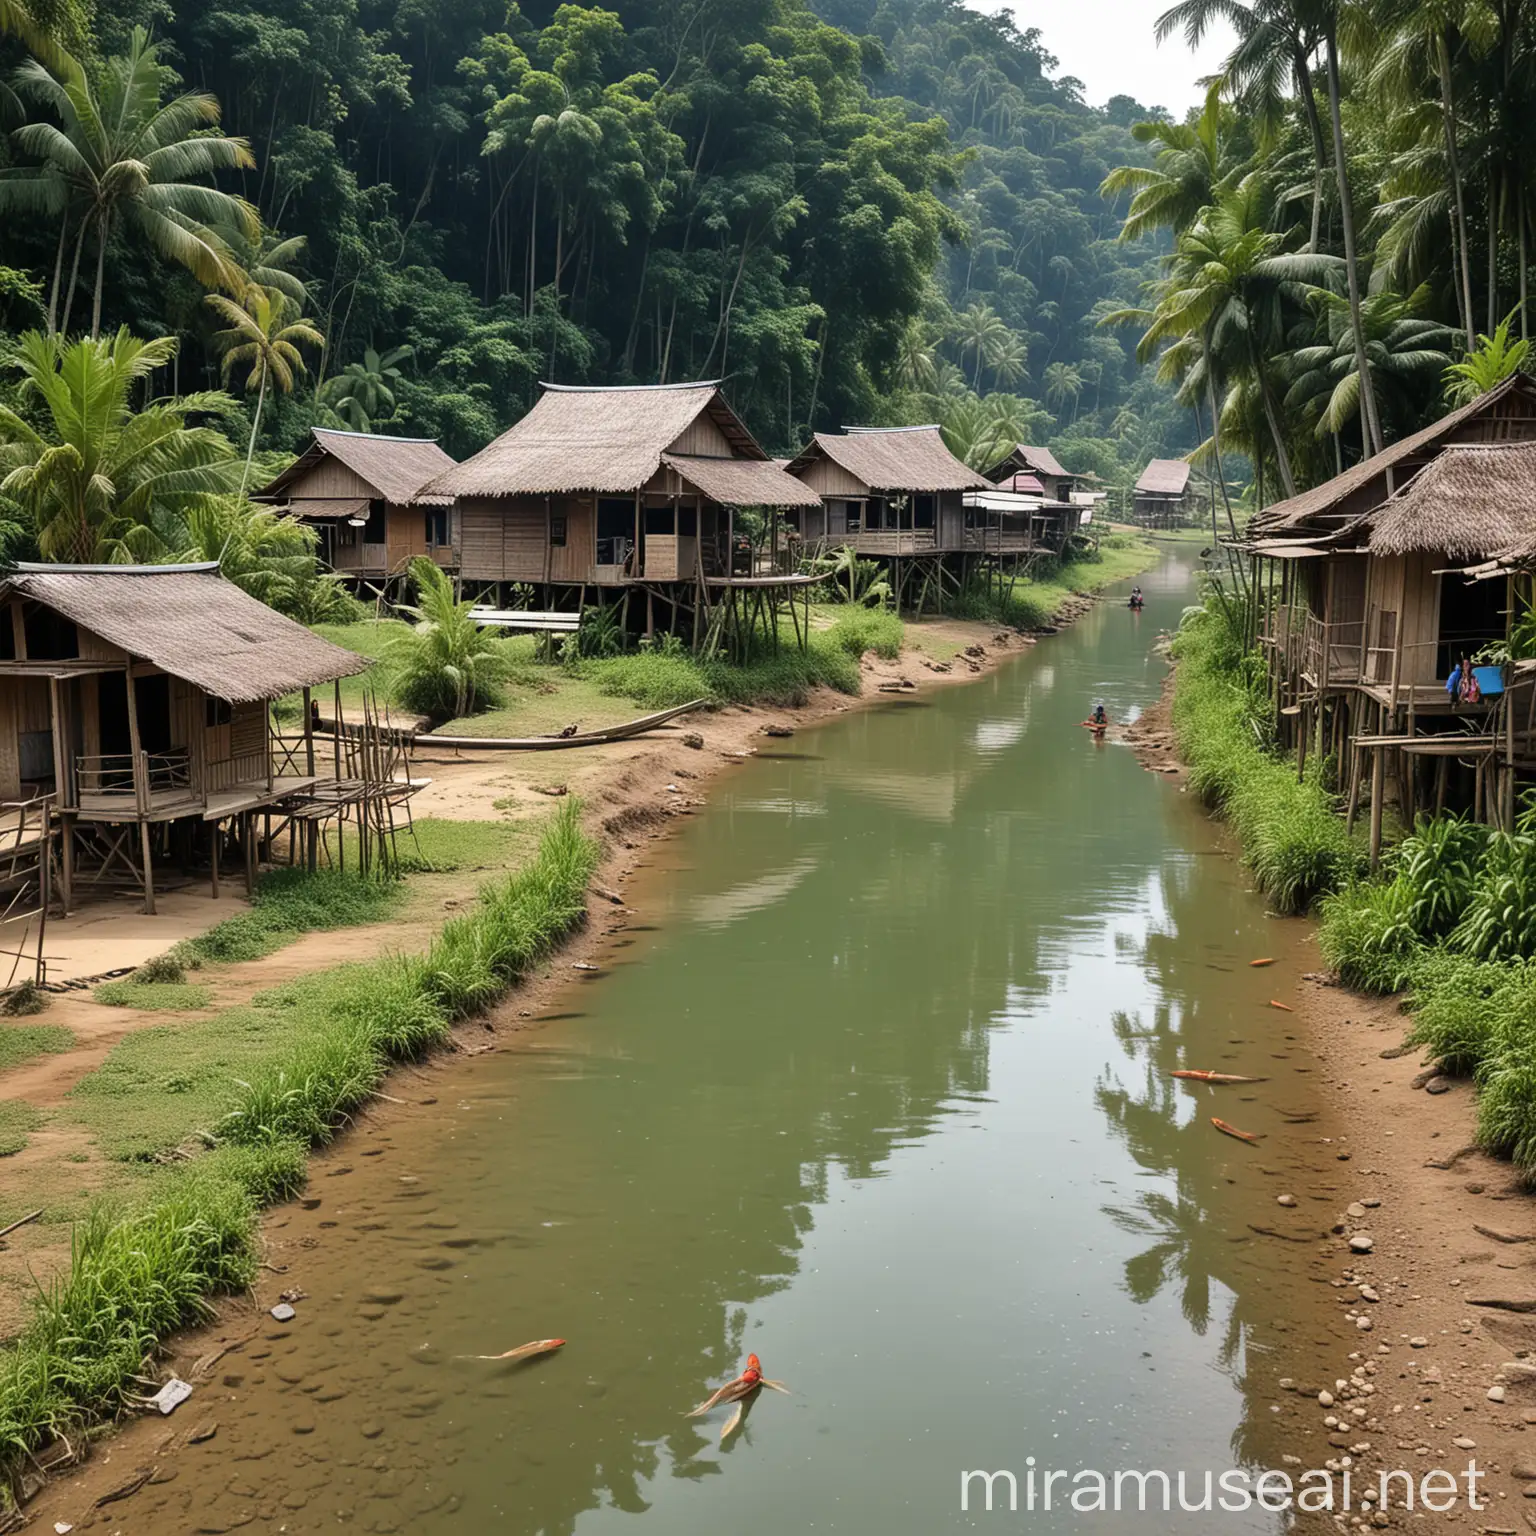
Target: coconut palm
{"x": 915, "y": 360}
{"x": 97, "y": 479}
{"x": 262, "y": 340}
{"x": 1495, "y": 359}
{"x": 1010, "y": 360}
{"x": 364, "y": 393}
{"x": 111, "y": 151}
{"x": 1408, "y": 354}
{"x": 1063, "y": 382}
{"x": 447, "y": 665}
{"x": 979, "y": 329}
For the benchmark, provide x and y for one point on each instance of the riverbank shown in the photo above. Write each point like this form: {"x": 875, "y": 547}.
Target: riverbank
{"x": 633, "y": 792}
{"x": 1432, "y": 1243}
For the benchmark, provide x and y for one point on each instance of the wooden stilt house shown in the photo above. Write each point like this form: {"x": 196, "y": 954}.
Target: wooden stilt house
{"x": 363, "y": 493}
{"x": 1029, "y": 470}
{"x": 628, "y": 493}
{"x": 134, "y": 701}
{"x": 1161, "y": 498}
{"x": 1365, "y": 610}
{"x": 897, "y": 495}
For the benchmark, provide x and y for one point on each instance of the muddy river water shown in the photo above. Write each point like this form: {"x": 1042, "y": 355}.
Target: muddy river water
{"x": 874, "y": 1084}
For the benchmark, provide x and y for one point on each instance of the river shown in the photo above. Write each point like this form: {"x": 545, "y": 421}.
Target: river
{"x": 873, "y": 1085}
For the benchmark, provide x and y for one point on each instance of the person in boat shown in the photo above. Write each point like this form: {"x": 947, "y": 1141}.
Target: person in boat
{"x": 1136, "y": 597}
{"x": 1098, "y": 719}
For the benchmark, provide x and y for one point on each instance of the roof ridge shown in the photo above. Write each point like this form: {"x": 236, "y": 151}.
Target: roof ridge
{"x": 374, "y": 437}
{"x": 614, "y": 389}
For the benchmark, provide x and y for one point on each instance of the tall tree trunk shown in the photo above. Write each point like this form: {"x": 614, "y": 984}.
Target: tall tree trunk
{"x": 250, "y": 452}
{"x": 1308, "y": 94}
{"x": 101, "y": 272}
{"x": 1520, "y": 214}
{"x": 1351, "y": 261}
{"x": 1453, "y": 161}
{"x": 1493, "y": 264}
{"x": 74, "y": 276}
{"x": 1272, "y": 416}
{"x": 58, "y": 276}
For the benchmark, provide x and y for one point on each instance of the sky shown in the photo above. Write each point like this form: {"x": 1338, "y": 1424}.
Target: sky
{"x": 1108, "y": 45}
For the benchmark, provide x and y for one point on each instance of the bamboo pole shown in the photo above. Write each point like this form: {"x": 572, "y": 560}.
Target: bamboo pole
{"x": 1375, "y": 807}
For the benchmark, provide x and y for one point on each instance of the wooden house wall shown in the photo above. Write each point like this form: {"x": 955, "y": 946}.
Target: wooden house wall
{"x": 1402, "y": 612}
{"x": 405, "y": 535}
{"x": 837, "y": 518}
{"x": 704, "y": 439}
{"x": 829, "y": 479}
{"x": 330, "y": 478}
{"x": 506, "y": 539}
{"x": 951, "y": 521}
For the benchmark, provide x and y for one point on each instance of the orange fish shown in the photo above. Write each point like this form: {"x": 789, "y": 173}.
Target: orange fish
{"x": 1283, "y": 1007}
{"x": 1265, "y": 961}
{"x": 1232, "y": 1130}
{"x": 522, "y": 1352}
{"x": 743, "y": 1388}
{"x": 1217, "y": 1077}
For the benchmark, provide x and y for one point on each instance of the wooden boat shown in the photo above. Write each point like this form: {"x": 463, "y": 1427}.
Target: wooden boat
{"x": 553, "y": 743}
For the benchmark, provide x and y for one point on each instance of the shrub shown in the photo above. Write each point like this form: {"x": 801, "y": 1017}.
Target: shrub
{"x": 1499, "y": 920}
{"x": 868, "y": 629}
{"x": 446, "y": 665}
{"x": 159, "y": 968}
{"x": 1367, "y": 935}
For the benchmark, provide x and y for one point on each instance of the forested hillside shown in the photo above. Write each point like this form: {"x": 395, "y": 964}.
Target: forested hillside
{"x": 877, "y": 213}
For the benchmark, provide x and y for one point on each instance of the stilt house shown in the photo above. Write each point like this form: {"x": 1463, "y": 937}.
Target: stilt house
{"x": 1161, "y": 498}
{"x": 628, "y": 490}
{"x": 134, "y": 703}
{"x": 1367, "y": 609}
{"x": 1032, "y": 471}
{"x": 364, "y": 494}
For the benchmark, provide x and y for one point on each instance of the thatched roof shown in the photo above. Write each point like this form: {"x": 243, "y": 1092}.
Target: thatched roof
{"x": 1164, "y": 477}
{"x": 579, "y": 438}
{"x": 396, "y": 467}
{"x": 1296, "y": 511}
{"x": 1469, "y": 502}
{"x": 1027, "y": 484}
{"x": 189, "y": 621}
{"x": 742, "y": 482}
{"x": 1035, "y": 459}
{"x": 893, "y": 459}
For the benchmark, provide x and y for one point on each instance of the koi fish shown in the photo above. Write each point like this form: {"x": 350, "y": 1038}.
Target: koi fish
{"x": 742, "y": 1388}
{"x": 1265, "y": 961}
{"x": 1232, "y": 1130}
{"x": 1283, "y": 1007}
{"x": 1217, "y": 1077}
{"x": 522, "y": 1352}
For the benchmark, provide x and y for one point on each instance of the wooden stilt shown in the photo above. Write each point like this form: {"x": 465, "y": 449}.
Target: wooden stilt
{"x": 1376, "y": 790}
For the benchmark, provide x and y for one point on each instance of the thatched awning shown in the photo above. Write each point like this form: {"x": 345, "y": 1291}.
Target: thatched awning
{"x": 190, "y": 622}
{"x": 1164, "y": 477}
{"x": 396, "y": 467}
{"x": 607, "y": 441}
{"x": 325, "y": 509}
{"x": 1471, "y": 501}
{"x": 742, "y": 482}
{"x": 893, "y": 459}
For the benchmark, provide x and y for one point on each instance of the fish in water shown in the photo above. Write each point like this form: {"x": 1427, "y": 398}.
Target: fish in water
{"x": 1265, "y": 961}
{"x": 1232, "y": 1130}
{"x": 1283, "y": 1007}
{"x": 522, "y": 1352}
{"x": 742, "y": 1391}
{"x": 1217, "y": 1077}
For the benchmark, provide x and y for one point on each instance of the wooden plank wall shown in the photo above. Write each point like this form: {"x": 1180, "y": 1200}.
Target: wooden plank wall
{"x": 405, "y": 535}
{"x": 829, "y": 479}
{"x": 703, "y": 439}
{"x": 951, "y": 529}
{"x": 330, "y": 478}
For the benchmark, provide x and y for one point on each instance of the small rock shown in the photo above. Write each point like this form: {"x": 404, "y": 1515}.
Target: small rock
{"x": 694, "y": 740}
{"x": 1495, "y": 1394}
{"x": 1426, "y": 1076}
{"x": 1462, "y": 1443}
{"x": 1362, "y": 1242}
{"x": 777, "y": 730}
{"x": 1418, "y": 1341}
{"x": 203, "y": 1432}
{"x": 283, "y": 1312}
{"x": 1368, "y": 1293}
{"x": 1438, "y": 1085}
{"x": 1286, "y": 1200}
{"x": 1524, "y": 1470}
{"x": 1325, "y": 1399}
{"x": 1364, "y": 1324}
{"x": 1355, "y": 1211}
{"x": 63, "y": 1527}
{"x": 172, "y": 1395}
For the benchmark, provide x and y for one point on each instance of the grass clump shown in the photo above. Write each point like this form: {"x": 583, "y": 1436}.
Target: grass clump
{"x": 17, "y": 1121}
{"x": 158, "y": 996}
{"x": 159, "y": 969}
{"x": 289, "y": 902}
{"x": 24, "y": 1000}
{"x": 1292, "y": 836}
{"x": 21, "y": 1042}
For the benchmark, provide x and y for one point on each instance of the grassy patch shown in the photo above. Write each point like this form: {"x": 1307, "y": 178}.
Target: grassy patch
{"x": 1292, "y": 837}
{"x": 21, "y": 1042}
{"x": 17, "y": 1122}
{"x": 158, "y": 996}
{"x": 1035, "y": 602}
{"x": 289, "y": 902}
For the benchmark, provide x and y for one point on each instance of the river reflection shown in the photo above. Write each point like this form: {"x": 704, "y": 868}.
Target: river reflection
{"x": 880, "y": 1094}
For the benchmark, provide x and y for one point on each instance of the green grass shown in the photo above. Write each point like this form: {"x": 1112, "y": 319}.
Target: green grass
{"x": 289, "y": 902}
{"x": 22, "y": 1042}
{"x": 17, "y": 1121}
{"x": 1035, "y": 602}
{"x": 305, "y": 1057}
{"x": 1292, "y": 836}
{"x": 158, "y": 996}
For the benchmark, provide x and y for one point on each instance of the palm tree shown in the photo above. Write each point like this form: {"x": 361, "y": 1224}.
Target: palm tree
{"x": 1063, "y": 382}
{"x": 99, "y": 480}
{"x": 1191, "y": 167}
{"x": 262, "y": 340}
{"x": 915, "y": 357}
{"x": 1010, "y": 360}
{"x": 1407, "y": 351}
{"x": 1495, "y": 359}
{"x": 118, "y": 153}
{"x": 979, "y": 329}
{"x": 447, "y": 666}
{"x": 364, "y": 393}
